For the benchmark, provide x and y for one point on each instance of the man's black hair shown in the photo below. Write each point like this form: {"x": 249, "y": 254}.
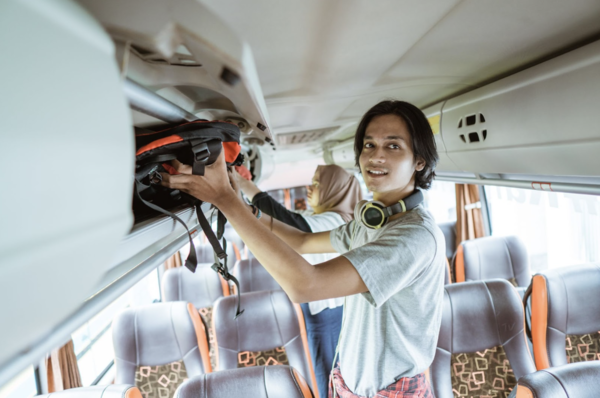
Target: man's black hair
{"x": 423, "y": 143}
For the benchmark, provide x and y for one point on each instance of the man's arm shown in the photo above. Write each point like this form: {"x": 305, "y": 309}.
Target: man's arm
{"x": 277, "y": 251}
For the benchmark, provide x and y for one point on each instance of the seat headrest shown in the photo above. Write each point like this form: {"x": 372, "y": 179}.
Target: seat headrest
{"x": 492, "y": 257}
{"x": 269, "y": 321}
{"x": 253, "y": 277}
{"x": 110, "y": 391}
{"x": 479, "y": 315}
{"x": 449, "y": 231}
{"x": 201, "y": 288}
{"x": 568, "y": 290}
{"x": 155, "y": 334}
{"x": 257, "y": 382}
{"x": 573, "y": 380}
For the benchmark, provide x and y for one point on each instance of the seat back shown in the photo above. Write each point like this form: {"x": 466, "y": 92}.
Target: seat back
{"x": 565, "y": 318}
{"x": 158, "y": 346}
{"x": 201, "y": 288}
{"x": 482, "y": 348}
{"x": 110, "y": 391}
{"x": 271, "y": 331}
{"x": 503, "y": 257}
{"x": 235, "y": 245}
{"x": 253, "y": 277}
{"x": 256, "y": 382}
{"x": 578, "y": 380}
{"x": 449, "y": 231}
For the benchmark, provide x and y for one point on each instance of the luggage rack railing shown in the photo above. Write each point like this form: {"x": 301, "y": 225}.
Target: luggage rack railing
{"x": 148, "y": 102}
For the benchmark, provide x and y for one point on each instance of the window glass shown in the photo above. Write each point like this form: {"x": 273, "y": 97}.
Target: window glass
{"x": 558, "y": 229}
{"x": 93, "y": 341}
{"x": 440, "y": 201}
{"x": 23, "y": 385}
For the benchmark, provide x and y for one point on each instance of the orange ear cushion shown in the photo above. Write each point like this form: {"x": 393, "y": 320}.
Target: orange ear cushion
{"x": 232, "y": 150}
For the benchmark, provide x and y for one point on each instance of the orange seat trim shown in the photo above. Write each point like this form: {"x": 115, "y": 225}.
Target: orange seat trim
{"x": 201, "y": 336}
{"x": 539, "y": 322}
{"x": 224, "y": 286}
{"x": 238, "y": 255}
{"x": 133, "y": 392}
{"x": 459, "y": 265}
{"x": 524, "y": 392}
{"x": 302, "y": 384}
{"x": 304, "y": 337}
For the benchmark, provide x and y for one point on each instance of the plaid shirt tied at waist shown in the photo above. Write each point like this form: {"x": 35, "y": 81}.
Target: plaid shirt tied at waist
{"x": 406, "y": 387}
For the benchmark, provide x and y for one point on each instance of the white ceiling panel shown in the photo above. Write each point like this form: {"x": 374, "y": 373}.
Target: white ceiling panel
{"x": 323, "y": 63}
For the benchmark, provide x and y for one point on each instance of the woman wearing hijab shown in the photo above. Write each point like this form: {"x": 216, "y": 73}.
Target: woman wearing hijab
{"x": 333, "y": 195}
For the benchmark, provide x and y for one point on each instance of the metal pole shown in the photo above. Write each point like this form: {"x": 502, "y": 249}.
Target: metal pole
{"x": 533, "y": 185}
{"x": 143, "y": 100}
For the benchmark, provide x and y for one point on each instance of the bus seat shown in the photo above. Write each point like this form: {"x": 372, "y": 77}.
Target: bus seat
{"x": 482, "y": 348}
{"x": 578, "y": 380}
{"x": 253, "y": 277}
{"x": 205, "y": 253}
{"x": 201, "y": 288}
{"x": 256, "y": 382}
{"x": 158, "y": 346}
{"x": 235, "y": 245}
{"x": 565, "y": 315}
{"x": 493, "y": 257}
{"x": 449, "y": 231}
{"x": 110, "y": 391}
{"x": 271, "y": 331}
{"x": 448, "y": 274}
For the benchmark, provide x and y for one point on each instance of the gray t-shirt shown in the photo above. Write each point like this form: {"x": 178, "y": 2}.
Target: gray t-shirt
{"x": 391, "y": 331}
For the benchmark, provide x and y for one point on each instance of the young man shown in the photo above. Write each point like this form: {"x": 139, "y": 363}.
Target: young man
{"x": 392, "y": 277}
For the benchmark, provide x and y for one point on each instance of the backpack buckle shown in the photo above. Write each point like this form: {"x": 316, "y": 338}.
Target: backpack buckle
{"x": 201, "y": 152}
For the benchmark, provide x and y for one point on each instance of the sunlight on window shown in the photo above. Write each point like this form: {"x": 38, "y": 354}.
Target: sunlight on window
{"x": 558, "y": 229}
{"x": 93, "y": 341}
{"x": 22, "y": 386}
{"x": 440, "y": 201}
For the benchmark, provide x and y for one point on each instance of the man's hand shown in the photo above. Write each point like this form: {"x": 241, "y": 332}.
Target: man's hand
{"x": 213, "y": 187}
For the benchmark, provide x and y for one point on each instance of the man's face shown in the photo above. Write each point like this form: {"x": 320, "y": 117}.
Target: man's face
{"x": 387, "y": 161}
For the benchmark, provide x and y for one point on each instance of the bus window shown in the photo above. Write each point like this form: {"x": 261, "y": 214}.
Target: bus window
{"x": 93, "y": 341}
{"x": 559, "y": 229}
{"x": 22, "y": 386}
{"x": 440, "y": 201}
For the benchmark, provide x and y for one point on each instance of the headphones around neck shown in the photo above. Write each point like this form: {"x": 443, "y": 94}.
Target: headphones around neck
{"x": 374, "y": 214}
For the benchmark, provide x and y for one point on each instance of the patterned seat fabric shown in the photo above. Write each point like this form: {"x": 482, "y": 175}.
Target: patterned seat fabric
{"x": 565, "y": 320}
{"x": 271, "y": 331}
{"x": 482, "y": 349}
{"x": 578, "y": 380}
{"x": 253, "y": 277}
{"x": 110, "y": 391}
{"x": 503, "y": 257}
{"x": 255, "y": 382}
{"x": 201, "y": 288}
{"x": 159, "y": 346}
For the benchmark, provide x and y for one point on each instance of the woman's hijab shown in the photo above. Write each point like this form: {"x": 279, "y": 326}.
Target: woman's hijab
{"x": 339, "y": 191}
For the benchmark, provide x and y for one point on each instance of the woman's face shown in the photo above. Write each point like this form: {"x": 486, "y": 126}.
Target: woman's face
{"x": 313, "y": 191}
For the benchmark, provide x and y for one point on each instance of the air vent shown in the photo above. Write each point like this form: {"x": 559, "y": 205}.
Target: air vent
{"x": 305, "y": 137}
{"x": 473, "y": 136}
{"x": 182, "y": 57}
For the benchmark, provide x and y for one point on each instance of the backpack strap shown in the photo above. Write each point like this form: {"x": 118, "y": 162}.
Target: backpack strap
{"x": 219, "y": 252}
{"x": 192, "y": 261}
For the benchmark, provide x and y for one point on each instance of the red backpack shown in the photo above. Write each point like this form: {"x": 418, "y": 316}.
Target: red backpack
{"x": 198, "y": 144}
